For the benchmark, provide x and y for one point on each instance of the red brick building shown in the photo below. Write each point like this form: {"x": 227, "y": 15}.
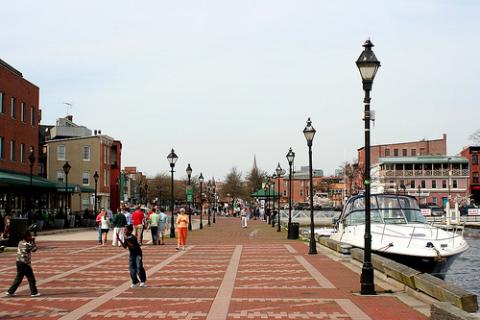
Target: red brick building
{"x": 19, "y": 119}
{"x": 472, "y": 154}
{"x": 436, "y": 147}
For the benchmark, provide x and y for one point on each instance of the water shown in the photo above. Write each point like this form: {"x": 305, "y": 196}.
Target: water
{"x": 464, "y": 270}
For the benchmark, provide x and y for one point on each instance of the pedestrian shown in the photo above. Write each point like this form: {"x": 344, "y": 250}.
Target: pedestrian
{"x": 24, "y": 268}
{"x": 128, "y": 214}
{"x": 98, "y": 220}
{"x": 162, "y": 225}
{"x": 153, "y": 222}
{"x": 244, "y": 216}
{"x": 119, "y": 222}
{"x": 105, "y": 227}
{"x": 135, "y": 259}
{"x": 5, "y": 238}
{"x": 182, "y": 227}
{"x": 138, "y": 221}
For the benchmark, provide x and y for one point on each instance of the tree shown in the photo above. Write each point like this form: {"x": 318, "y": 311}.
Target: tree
{"x": 234, "y": 185}
{"x": 255, "y": 178}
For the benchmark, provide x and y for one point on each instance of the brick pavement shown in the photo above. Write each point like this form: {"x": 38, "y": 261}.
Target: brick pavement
{"x": 226, "y": 273}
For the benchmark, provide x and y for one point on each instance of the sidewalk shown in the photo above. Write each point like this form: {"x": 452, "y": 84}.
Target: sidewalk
{"x": 226, "y": 273}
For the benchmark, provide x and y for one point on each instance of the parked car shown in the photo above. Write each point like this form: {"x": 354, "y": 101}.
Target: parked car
{"x": 464, "y": 209}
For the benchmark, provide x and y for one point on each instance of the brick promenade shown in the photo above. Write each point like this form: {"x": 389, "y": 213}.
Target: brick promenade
{"x": 226, "y": 273}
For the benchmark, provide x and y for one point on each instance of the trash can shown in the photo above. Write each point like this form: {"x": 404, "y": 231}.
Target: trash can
{"x": 18, "y": 227}
{"x": 293, "y": 231}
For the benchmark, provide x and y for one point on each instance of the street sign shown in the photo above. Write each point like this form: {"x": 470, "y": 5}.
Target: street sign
{"x": 189, "y": 197}
{"x": 189, "y": 192}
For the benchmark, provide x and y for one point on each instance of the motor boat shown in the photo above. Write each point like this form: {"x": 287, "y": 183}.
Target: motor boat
{"x": 400, "y": 232}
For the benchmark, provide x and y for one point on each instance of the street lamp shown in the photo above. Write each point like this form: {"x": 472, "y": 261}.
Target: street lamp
{"x": 95, "y": 177}
{"x": 368, "y": 65}
{"x": 31, "y": 159}
{"x": 209, "y": 190}
{"x": 272, "y": 183}
{"x": 201, "y": 179}
{"x": 172, "y": 159}
{"x": 214, "y": 185}
{"x": 66, "y": 170}
{"x": 189, "y": 174}
{"x": 265, "y": 205}
{"x": 309, "y": 133}
{"x": 279, "y": 172}
{"x": 290, "y": 158}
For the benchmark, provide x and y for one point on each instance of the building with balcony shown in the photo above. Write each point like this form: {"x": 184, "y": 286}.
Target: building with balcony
{"x": 472, "y": 154}
{"x": 432, "y": 179}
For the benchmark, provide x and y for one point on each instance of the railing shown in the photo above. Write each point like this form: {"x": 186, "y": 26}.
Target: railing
{"x": 425, "y": 173}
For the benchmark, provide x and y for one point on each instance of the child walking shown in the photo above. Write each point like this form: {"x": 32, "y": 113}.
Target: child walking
{"x": 136, "y": 257}
{"x": 24, "y": 268}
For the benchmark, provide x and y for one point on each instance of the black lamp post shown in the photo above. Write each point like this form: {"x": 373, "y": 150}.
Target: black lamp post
{"x": 419, "y": 193}
{"x": 117, "y": 186}
{"x": 309, "y": 133}
{"x": 66, "y": 170}
{"x": 95, "y": 177}
{"x": 279, "y": 172}
{"x": 290, "y": 158}
{"x": 214, "y": 185}
{"x": 368, "y": 65}
{"x": 201, "y": 179}
{"x": 272, "y": 184}
{"x": 189, "y": 174}
{"x": 265, "y": 205}
{"x": 209, "y": 193}
{"x": 146, "y": 192}
{"x": 172, "y": 159}
{"x": 31, "y": 159}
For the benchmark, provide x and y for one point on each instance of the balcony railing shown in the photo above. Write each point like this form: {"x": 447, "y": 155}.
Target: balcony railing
{"x": 425, "y": 173}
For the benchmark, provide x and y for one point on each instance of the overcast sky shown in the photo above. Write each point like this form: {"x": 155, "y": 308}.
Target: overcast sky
{"x": 222, "y": 81}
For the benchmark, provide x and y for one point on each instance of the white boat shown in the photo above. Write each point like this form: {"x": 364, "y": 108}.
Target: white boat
{"x": 400, "y": 232}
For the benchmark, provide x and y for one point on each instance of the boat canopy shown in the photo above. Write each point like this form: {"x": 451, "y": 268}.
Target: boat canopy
{"x": 385, "y": 209}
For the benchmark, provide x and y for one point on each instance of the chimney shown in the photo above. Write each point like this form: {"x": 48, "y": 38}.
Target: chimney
{"x": 70, "y": 118}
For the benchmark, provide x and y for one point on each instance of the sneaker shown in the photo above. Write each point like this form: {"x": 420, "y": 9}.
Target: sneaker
{"x": 177, "y": 248}
{"x": 36, "y": 294}
{"x": 143, "y": 285}
{"x": 133, "y": 285}
{"x": 8, "y": 294}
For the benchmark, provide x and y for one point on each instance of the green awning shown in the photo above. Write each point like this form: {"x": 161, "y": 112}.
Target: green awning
{"x": 8, "y": 178}
{"x": 261, "y": 193}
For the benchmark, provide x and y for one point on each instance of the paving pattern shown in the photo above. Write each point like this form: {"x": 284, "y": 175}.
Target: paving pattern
{"x": 226, "y": 273}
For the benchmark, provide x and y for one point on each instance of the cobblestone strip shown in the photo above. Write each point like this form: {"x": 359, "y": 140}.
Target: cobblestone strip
{"x": 221, "y": 304}
{"x": 352, "y": 310}
{"x": 95, "y": 303}
{"x": 290, "y": 248}
{"x": 321, "y": 280}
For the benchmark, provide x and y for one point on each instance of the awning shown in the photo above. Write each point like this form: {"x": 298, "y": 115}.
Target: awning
{"x": 261, "y": 193}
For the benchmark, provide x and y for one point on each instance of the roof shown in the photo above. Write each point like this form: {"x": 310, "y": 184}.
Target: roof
{"x": 424, "y": 159}
{"x": 261, "y": 193}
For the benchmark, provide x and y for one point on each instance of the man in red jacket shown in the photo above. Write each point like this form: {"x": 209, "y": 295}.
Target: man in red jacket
{"x": 138, "y": 221}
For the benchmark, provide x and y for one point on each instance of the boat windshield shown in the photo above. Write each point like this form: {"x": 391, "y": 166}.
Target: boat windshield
{"x": 388, "y": 209}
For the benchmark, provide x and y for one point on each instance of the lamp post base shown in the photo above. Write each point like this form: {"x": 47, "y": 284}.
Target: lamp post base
{"x": 172, "y": 232}
{"x": 312, "y": 247}
{"x": 366, "y": 280}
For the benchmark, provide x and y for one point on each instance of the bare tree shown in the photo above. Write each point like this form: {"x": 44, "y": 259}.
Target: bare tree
{"x": 234, "y": 185}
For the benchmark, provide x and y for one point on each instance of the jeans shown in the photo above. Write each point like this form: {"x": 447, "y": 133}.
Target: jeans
{"x": 24, "y": 270}
{"x": 136, "y": 267}
{"x": 154, "y": 234}
{"x": 99, "y": 235}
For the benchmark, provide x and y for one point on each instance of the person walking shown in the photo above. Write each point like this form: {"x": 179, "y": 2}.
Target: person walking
{"x": 135, "y": 265}
{"x": 162, "y": 225}
{"x": 182, "y": 227}
{"x": 244, "y": 216}
{"x": 118, "y": 222}
{"x": 153, "y": 222}
{"x": 128, "y": 214}
{"x": 24, "y": 267}
{"x": 138, "y": 221}
{"x": 105, "y": 227}
{"x": 98, "y": 220}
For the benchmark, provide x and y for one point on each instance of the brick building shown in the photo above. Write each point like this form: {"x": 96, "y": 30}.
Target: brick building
{"x": 472, "y": 153}
{"x": 19, "y": 119}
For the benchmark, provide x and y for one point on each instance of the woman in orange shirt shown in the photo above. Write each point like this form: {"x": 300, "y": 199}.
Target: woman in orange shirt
{"x": 182, "y": 227}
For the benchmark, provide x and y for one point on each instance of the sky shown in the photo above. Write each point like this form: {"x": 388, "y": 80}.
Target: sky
{"x": 222, "y": 81}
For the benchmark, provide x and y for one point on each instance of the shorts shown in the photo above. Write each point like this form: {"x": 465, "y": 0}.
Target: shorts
{"x": 105, "y": 230}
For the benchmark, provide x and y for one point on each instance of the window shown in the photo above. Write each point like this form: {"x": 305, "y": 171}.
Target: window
{"x": 412, "y": 184}
{"x": 86, "y": 178}
{"x": 395, "y": 152}
{"x": 22, "y": 153}
{"x": 12, "y": 150}
{"x": 86, "y": 153}
{"x": 423, "y": 184}
{"x": 404, "y": 152}
{"x": 414, "y": 152}
{"x": 422, "y": 151}
{"x": 60, "y": 175}
{"x": 475, "y": 177}
{"x": 434, "y": 184}
{"x": 32, "y": 116}
{"x": 402, "y": 184}
{"x": 2, "y": 106}
{"x": 455, "y": 184}
{"x": 444, "y": 184}
{"x": 2, "y": 152}
{"x": 60, "y": 152}
{"x": 104, "y": 177}
{"x": 434, "y": 200}
{"x": 474, "y": 158}
{"x": 387, "y": 152}
{"x": 23, "y": 114}
{"x": 12, "y": 108}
